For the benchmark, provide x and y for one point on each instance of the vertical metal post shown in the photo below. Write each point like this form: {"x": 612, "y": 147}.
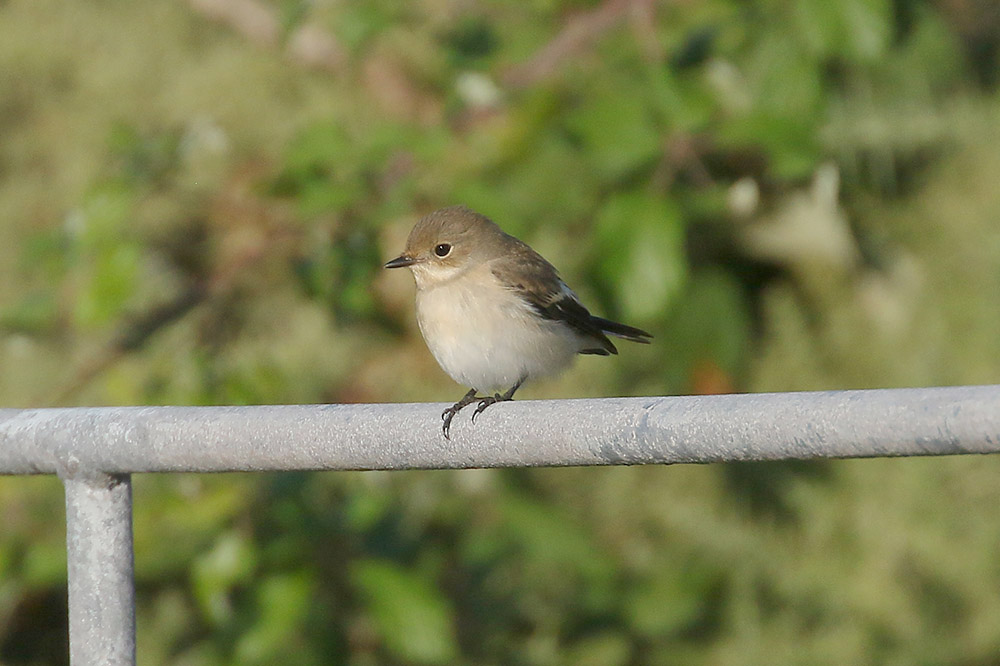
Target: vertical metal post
{"x": 100, "y": 568}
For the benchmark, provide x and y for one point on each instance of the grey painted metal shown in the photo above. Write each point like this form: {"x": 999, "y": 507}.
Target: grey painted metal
{"x": 100, "y": 569}
{"x": 95, "y": 449}
{"x": 610, "y": 431}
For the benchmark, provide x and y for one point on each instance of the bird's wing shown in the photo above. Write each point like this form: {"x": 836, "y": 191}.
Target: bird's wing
{"x": 534, "y": 279}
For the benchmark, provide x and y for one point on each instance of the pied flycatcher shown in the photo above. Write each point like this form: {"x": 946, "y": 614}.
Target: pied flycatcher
{"x": 494, "y": 312}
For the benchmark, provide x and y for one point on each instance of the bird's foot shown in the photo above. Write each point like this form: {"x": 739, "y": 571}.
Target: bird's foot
{"x": 449, "y": 414}
{"x": 486, "y": 402}
{"x": 469, "y": 398}
{"x": 495, "y": 398}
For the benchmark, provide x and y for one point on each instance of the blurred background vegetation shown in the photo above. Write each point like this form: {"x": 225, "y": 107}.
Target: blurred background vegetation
{"x": 196, "y": 199}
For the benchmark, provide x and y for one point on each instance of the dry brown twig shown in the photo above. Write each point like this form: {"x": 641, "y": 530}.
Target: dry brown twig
{"x": 579, "y": 33}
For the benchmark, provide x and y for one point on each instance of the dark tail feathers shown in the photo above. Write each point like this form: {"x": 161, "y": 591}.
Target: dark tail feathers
{"x": 622, "y": 331}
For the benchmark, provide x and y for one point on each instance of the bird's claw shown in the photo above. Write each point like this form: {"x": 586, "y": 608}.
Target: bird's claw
{"x": 484, "y": 403}
{"x": 470, "y": 397}
{"x": 447, "y": 415}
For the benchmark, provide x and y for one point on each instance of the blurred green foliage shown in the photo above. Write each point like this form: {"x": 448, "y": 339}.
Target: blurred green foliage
{"x": 789, "y": 195}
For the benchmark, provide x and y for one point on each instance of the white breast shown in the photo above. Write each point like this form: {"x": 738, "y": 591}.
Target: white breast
{"x": 488, "y": 338}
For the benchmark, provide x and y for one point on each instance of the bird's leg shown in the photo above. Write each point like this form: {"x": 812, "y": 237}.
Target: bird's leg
{"x": 495, "y": 398}
{"x": 449, "y": 413}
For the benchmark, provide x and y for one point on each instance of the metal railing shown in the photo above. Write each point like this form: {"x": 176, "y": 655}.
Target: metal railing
{"x": 95, "y": 450}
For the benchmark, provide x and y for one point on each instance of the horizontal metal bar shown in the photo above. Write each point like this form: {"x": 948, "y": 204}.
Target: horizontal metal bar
{"x": 100, "y": 566}
{"x": 610, "y": 431}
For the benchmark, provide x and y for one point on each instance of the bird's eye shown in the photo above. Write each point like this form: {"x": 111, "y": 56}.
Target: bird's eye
{"x": 442, "y": 250}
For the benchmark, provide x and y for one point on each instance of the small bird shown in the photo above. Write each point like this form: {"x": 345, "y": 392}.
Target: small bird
{"x": 494, "y": 312}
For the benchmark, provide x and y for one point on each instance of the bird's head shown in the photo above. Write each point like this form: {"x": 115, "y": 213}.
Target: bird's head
{"x": 446, "y": 243}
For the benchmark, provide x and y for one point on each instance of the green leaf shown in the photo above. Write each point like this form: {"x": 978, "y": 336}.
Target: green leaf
{"x": 232, "y": 560}
{"x": 856, "y": 30}
{"x": 709, "y": 323}
{"x": 412, "y": 616}
{"x": 283, "y": 602}
{"x": 641, "y": 252}
{"x": 44, "y": 562}
{"x": 104, "y": 215}
{"x": 109, "y": 259}
{"x": 550, "y": 184}
{"x": 547, "y": 538}
{"x": 112, "y": 283}
{"x": 791, "y": 144}
{"x": 684, "y": 103}
{"x": 321, "y": 170}
{"x": 617, "y": 131}
{"x": 671, "y": 600}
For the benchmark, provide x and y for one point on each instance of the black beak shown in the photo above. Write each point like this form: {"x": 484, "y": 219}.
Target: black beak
{"x": 401, "y": 262}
